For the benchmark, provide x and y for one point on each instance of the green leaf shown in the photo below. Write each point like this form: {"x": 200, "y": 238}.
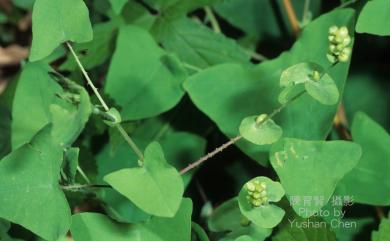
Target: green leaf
{"x": 312, "y": 168}
{"x": 197, "y": 45}
{"x": 259, "y": 132}
{"x": 226, "y": 217}
{"x": 199, "y": 233}
{"x": 368, "y": 183}
{"x": 383, "y": 234}
{"x": 142, "y": 79}
{"x": 173, "y": 9}
{"x": 290, "y": 92}
{"x": 93, "y": 226}
{"x": 323, "y": 90}
{"x": 97, "y": 51}
{"x": 39, "y": 100}
{"x": 31, "y": 195}
{"x": 161, "y": 183}
{"x": 96, "y": 226}
{"x": 299, "y": 74}
{"x": 249, "y": 233}
{"x": 69, "y": 166}
{"x": 265, "y": 215}
{"x": 117, "y": 5}
{"x": 237, "y": 92}
{"x": 181, "y": 148}
{"x": 317, "y": 83}
{"x": 58, "y": 21}
{"x": 374, "y": 18}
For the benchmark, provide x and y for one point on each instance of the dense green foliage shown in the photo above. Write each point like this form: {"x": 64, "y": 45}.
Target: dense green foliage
{"x": 106, "y": 122}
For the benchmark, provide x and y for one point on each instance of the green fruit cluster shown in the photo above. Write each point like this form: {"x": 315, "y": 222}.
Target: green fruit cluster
{"x": 339, "y": 41}
{"x": 257, "y": 194}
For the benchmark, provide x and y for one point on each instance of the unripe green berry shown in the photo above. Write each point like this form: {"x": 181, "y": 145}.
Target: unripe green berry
{"x": 332, "y": 48}
{"x": 250, "y": 186}
{"x": 339, "y": 47}
{"x": 338, "y": 39}
{"x": 343, "y": 57}
{"x": 331, "y": 38}
{"x": 245, "y": 221}
{"x": 316, "y": 75}
{"x": 331, "y": 58}
{"x": 333, "y": 30}
{"x": 260, "y": 120}
{"x": 347, "y": 51}
{"x": 342, "y": 32}
{"x": 347, "y": 40}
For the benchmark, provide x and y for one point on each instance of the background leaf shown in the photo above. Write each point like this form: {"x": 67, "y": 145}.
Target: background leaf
{"x": 31, "y": 195}
{"x": 312, "y": 168}
{"x": 58, "y": 21}
{"x": 162, "y": 184}
{"x": 368, "y": 182}
{"x": 142, "y": 79}
{"x": 374, "y": 18}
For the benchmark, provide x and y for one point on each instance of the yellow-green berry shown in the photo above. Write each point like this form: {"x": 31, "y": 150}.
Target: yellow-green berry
{"x": 333, "y": 30}
{"x": 316, "y": 75}
{"x": 343, "y": 57}
{"x": 260, "y": 119}
{"x": 342, "y": 32}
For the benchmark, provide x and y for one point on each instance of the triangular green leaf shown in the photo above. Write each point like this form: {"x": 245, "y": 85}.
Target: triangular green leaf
{"x": 369, "y": 182}
{"x": 312, "y": 169}
{"x": 374, "y": 18}
{"x": 58, "y": 21}
{"x": 197, "y": 45}
{"x": 260, "y": 133}
{"x": 94, "y": 226}
{"x": 39, "y": 100}
{"x": 161, "y": 183}
{"x": 29, "y": 188}
{"x": 142, "y": 79}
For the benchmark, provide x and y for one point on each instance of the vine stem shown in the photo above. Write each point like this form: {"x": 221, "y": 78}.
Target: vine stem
{"x": 235, "y": 139}
{"x": 90, "y": 83}
{"x": 213, "y": 20}
{"x": 292, "y": 17}
{"x": 121, "y": 130}
{"x": 210, "y": 154}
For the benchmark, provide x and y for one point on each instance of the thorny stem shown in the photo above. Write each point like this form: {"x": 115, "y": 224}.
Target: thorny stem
{"x": 210, "y": 154}
{"x": 235, "y": 139}
{"x": 105, "y": 106}
{"x": 213, "y": 20}
{"x": 292, "y": 17}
